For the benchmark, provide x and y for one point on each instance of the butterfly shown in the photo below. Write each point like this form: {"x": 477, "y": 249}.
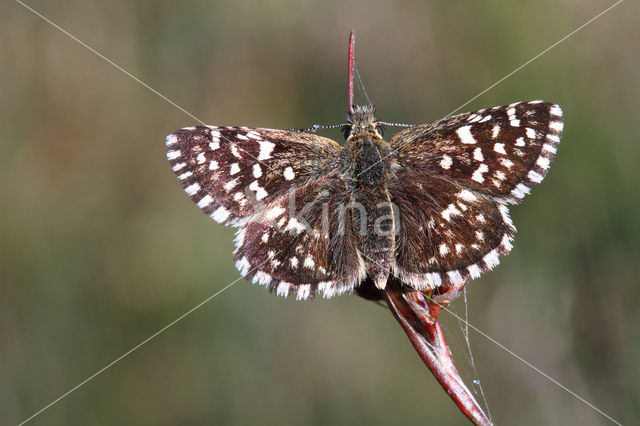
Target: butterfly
{"x": 430, "y": 206}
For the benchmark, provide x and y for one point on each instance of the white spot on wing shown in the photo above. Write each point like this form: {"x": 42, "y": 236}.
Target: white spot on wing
{"x": 520, "y": 191}
{"x": 220, "y": 214}
{"x": 171, "y": 140}
{"x": 446, "y": 162}
{"x": 257, "y": 171}
{"x": 477, "y": 154}
{"x": 465, "y": 135}
{"x": 444, "y": 249}
{"x": 265, "y": 150}
{"x": 495, "y": 131}
{"x": 451, "y": 210}
{"x": 308, "y": 262}
{"x": 454, "y": 277}
{"x": 260, "y": 192}
{"x": 262, "y": 278}
{"x": 433, "y": 279}
{"x": 235, "y": 168}
{"x": 178, "y": 166}
{"x": 283, "y": 289}
{"x": 303, "y": 292}
{"x": 535, "y": 176}
{"x": 243, "y": 265}
{"x": 474, "y": 271}
{"x": 294, "y": 225}
{"x": 467, "y": 195}
{"x": 205, "y": 201}
{"x": 230, "y": 185}
{"x": 477, "y": 174}
{"x": 499, "y": 148}
{"x": 192, "y": 189}
{"x": 543, "y": 162}
{"x": 556, "y": 125}
{"x": 531, "y": 134}
{"x": 289, "y": 173}
{"x": 274, "y": 212}
{"x": 172, "y": 155}
{"x": 553, "y": 138}
{"x": 253, "y": 134}
{"x": 185, "y": 175}
{"x": 507, "y": 163}
{"x": 213, "y": 165}
{"x": 234, "y": 150}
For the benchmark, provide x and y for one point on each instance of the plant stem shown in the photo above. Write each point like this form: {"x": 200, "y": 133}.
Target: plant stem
{"x": 418, "y": 314}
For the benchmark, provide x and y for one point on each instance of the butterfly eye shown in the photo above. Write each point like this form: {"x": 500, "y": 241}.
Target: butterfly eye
{"x": 380, "y": 129}
{"x": 346, "y": 131}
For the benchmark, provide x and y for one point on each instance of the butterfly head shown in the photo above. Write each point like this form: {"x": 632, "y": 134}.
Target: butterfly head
{"x": 362, "y": 120}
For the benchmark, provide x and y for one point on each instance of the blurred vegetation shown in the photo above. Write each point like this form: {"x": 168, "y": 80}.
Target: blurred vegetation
{"x": 99, "y": 247}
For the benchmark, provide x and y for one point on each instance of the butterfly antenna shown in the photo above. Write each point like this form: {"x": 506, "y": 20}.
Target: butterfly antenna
{"x": 396, "y": 124}
{"x": 316, "y": 127}
{"x": 350, "y": 67}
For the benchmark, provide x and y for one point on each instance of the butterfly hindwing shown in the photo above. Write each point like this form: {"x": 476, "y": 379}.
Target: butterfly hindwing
{"x": 303, "y": 243}
{"x": 448, "y": 233}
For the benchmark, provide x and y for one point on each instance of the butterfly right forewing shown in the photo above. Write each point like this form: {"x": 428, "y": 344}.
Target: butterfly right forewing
{"x": 500, "y": 152}
{"x": 453, "y": 182}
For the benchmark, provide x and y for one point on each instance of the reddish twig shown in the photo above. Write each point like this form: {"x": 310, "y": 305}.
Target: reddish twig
{"x": 418, "y": 313}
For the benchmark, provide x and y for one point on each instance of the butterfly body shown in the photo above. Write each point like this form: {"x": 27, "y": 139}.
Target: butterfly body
{"x": 429, "y": 206}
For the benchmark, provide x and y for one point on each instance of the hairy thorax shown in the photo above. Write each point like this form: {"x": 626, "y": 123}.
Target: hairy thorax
{"x": 369, "y": 161}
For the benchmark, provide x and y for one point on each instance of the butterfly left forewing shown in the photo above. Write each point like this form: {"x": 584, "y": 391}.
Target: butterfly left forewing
{"x": 233, "y": 172}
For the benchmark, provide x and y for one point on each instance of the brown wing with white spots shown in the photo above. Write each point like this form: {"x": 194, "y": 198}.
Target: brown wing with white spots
{"x": 447, "y": 232}
{"x": 233, "y": 172}
{"x": 500, "y": 152}
{"x": 303, "y": 243}
{"x": 453, "y": 181}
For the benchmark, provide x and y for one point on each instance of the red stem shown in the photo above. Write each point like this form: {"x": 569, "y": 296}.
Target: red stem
{"x": 350, "y": 65}
{"x": 418, "y": 316}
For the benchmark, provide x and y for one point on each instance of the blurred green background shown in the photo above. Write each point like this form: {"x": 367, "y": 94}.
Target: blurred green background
{"x": 100, "y": 248}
